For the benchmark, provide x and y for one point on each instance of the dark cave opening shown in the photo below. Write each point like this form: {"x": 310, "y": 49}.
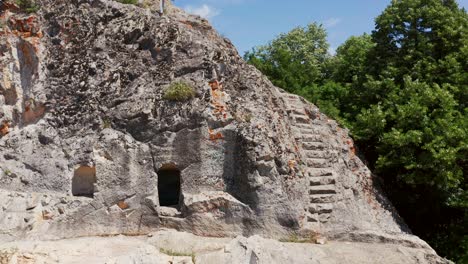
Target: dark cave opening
{"x": 83, "y": 181}
{"x": 169, "y": 186}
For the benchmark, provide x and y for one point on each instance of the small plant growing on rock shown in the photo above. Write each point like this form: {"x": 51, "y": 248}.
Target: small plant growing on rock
{"x": 248, "y": 118}
{"x": 177, "y": 253}
{"x": 179, "y": 91}
{"x": 106, "y": 123}
{"x": 29, "y": 6}
{"x": 128, "y": 2}
{"x": 296, "y": 239}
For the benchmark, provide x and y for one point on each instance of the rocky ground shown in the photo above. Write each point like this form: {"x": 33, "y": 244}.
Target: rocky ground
{"x": 172, "y": 247}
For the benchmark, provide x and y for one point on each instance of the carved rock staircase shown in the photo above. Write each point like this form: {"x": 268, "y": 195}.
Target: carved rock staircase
{"x": 318, "y": 160}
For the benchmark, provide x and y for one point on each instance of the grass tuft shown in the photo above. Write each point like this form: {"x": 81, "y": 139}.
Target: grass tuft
{"x": 179, "y": 91}
{"x": 173, "y": 253}
{"x": 28, "y": 6}
{"x": 296, "y": 239}
{"x": 128, "y": 2}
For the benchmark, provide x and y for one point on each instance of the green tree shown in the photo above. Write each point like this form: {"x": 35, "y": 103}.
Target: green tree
{"x": 294, "y": 60}
{"x": 351, "y": 59}
{"x": 423, "y": 39}
{"x": 412, "y": 117}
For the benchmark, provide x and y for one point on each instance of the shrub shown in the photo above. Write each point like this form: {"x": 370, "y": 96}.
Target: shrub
{"x": 179, "y": 91}
{"x": 128, "y": 2}
{"x": 296, "y": 239}
{"x": 29, "y": 6}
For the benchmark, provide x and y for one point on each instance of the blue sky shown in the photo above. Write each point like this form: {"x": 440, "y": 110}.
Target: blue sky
{"x": 249, "y": 23}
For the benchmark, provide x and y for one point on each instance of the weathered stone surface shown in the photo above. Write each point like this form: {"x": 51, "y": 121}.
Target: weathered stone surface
{"x": 85, "y": 133}
{"x": 192, "y": 249}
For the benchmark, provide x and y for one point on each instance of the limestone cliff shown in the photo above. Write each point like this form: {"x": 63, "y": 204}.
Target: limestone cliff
{"x": 90, "y": 146}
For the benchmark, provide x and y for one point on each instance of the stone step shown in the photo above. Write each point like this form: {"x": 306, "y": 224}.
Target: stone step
{"x": 319, "y": 154}
{"x": 311, "y": 225}
{"x": 322, "y": 198}
{"x": 318, "y": 122}
{"x": 295, "y": 111}
{"x": 294, "y": 104}
{"x": 312, "y": 217}
{"x": 301, "y": 119}
{"x": 292, "y": 96}
{"x": 319, "y": 172}
{"x": 323, "y": 218}
{"x": 322, "y": 189}
{"x": 321, "y": 208}
{"x": 303, "y": 125}
{"x": 314, "y": 145}
{"x": 314, "y": 124}
{"x": 318, "y": 163}
{"x": 323, "y": 180}
{"x": 293, "y": 100}
{"x": 310, "y": 138}
{"x": 311, "y": 130}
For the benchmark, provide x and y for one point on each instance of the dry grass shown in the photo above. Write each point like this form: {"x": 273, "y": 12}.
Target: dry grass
{"x": 174, "y": 253}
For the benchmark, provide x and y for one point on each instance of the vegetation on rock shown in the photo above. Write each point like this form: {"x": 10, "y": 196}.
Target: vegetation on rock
{"x": 179, "y": 91}
{"x": 403, "y": 92}
{"x": 130, "y": 2}
{"x": 29, "y": 6}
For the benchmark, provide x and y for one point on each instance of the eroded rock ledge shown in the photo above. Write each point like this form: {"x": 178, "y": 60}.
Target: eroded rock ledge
{"x": 174, "y": 247}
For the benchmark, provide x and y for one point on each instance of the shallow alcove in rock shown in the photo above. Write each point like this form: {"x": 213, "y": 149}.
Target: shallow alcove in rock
{"x": 169, "y": 186}
{"x": 83, "y": 181}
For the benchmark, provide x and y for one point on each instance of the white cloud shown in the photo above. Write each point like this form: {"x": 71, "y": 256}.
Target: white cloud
{"x": 204, "y": 11}
{"x": 331, "y": 22}
{"x": 332, "y": 50}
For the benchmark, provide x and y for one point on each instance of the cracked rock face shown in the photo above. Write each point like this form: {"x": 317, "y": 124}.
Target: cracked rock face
{"x": 89, "y": 146}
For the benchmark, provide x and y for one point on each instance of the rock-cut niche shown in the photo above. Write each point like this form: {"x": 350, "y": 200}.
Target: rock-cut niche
{"x": 169, "y": 186}
{"x": 83, "y": 181}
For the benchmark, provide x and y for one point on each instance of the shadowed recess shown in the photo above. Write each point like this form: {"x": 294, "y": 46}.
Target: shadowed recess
{"x": 83, "y": 181}
{"x": 169, "y": 186}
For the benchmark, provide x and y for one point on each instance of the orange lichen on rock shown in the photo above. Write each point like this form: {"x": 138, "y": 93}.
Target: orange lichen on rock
{"x": 32, "y": 112}
{"x": 46, "y": 215}
{"x": 8, "y": 6}
{"x": 187, "y": 23}
{"x": 349, "y": 142}
{"x": 4, "y": 128}
{"x": 292, "y": 164}
{"x": 215, "y": 85}
{"x": 25, "y": 27}
{"x": 215, "y": 136}
{"x": 123, "y": 205}
{"x": 218, "y": 99}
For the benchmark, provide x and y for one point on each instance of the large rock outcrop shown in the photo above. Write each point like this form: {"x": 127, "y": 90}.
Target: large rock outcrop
{"x": 89, "y": 146}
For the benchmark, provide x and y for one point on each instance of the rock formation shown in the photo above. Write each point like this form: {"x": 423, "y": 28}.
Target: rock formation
{"x": 90, "y": 146}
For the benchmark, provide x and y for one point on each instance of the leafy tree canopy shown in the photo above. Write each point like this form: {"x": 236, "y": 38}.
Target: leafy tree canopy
{"x": 293, "y": 60}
